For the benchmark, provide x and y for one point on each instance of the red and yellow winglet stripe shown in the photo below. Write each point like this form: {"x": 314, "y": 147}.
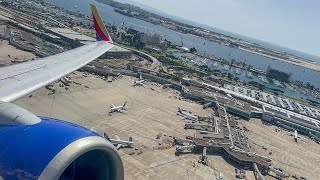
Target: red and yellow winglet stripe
{"x": 101, "y": 33}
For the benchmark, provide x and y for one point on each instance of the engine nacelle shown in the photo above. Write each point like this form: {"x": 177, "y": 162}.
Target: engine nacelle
{"x": 54, "y": 149}
{"x": 88, "y": 158}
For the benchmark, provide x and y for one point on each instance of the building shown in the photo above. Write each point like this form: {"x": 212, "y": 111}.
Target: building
{"x": 218, "y": 141}
{"x": 291, "y": 121}
{"x": 150, "y": 39}
{"x": 3, "y": 29}
{"x": 197, "y": 94}
{"x": 241, "y": 109}
{"x": 215, "y": 79}
{"x": 278, "y": 75}
{"x": 191, "y": 82}
{"x": 74, "y": 38}
{"x": 117, "y": 52}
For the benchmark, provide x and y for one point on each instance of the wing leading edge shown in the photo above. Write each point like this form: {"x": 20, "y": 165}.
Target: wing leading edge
{"x": 22, "y": 79}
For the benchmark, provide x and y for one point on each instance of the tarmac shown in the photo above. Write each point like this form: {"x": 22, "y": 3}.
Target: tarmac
{"x": 149, "y": 113}
{"x": 300, "y": 159}
{"x": 9, "y": 53}
{"x": 152, "y": 110}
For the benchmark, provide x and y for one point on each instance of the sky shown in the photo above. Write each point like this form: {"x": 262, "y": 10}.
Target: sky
{"x": 290, "y": 23}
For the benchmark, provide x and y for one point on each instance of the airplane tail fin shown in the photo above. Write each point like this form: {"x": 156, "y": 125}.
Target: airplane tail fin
{"x": 106, "y": 136}
{"x": 101, "y": 32}
{"x": 124, "y": 104}
{"x": 130, "y": 139}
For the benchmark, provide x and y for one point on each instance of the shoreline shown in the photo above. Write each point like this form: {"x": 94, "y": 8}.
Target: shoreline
{"x": 301, "y": 63}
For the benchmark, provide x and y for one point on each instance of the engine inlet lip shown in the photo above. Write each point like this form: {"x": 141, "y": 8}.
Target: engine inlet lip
{"x": 66, "y": 156}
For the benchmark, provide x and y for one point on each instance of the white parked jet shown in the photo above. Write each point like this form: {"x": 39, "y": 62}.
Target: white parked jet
{"x": 138, "y": 82}
{"x": 117, "y": 108}
{"x": 220, "y": 177}
{"x": 295, "y": 136}
{"x": 120, "y": 143}
{"x": 186, "y": 115}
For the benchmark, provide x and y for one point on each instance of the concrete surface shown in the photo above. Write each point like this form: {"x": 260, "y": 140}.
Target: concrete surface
{"x": 14, "y": 53}
{"x": 300, "y": 159}
{"x": 149, "y": 113}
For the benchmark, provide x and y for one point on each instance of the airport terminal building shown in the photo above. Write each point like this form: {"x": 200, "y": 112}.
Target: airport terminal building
{"x": 291, "y": 121}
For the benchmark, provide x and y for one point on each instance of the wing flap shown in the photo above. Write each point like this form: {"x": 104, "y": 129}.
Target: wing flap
{"x": 22, "y": 79}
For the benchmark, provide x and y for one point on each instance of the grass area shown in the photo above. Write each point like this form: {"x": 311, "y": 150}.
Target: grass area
{"x": 268, "y": 90}
{"x": 155, "y": 55}
{"x": 179, "y": 63}
{"x": 128, "y": 46}
{"x": 294, "y": 98}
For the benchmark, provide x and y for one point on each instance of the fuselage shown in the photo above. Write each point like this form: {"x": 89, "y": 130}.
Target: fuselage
{"x": 118, "y": 108}
{"x": 139, "y": 82}
{"x": 187, "y": 115}
{"x": 125, "y": 143}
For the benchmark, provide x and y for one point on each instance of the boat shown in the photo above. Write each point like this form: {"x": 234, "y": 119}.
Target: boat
{"x": 237, "y": 71}
{"x": 290, "y": 87}
{"x": 249, "y": 75}
{"x": 277, "y": 83}
{"x": 215, "y": 64}
{"x": 205, "y": 61}
{"x": 263, "y": 79}
{"x": 226, "y": 67}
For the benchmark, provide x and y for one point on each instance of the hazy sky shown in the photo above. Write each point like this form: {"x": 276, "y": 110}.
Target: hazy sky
{"x": 290, "y": 23}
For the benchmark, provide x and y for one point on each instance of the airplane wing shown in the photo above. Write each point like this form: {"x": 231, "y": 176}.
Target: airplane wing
{"x": 119, "y": 146}
{"x": 117, "y": 137}
{"x": 22, "y": 79}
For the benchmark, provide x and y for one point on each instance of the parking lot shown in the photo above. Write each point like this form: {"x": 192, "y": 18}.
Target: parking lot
{"x": 277, "y": 101}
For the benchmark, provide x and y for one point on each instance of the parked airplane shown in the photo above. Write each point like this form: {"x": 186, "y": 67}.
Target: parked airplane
{"x": 117, "y": 108}
{"x": 295, "y": 136}
{"x": 45, "y": 148}
{"x": 138, "y": 82}
{"x": 120, "y": 143}
{"x": 220, "y": 177}
{"x": 186, "y": 115}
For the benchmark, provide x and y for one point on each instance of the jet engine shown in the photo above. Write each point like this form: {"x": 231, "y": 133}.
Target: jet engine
{"x": 34, "y": 147}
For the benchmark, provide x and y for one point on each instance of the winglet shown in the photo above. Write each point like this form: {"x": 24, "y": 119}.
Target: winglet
{"x": 101, "y": 32}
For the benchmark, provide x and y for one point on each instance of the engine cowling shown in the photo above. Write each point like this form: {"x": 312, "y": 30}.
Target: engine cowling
{"x": 55, "y": 149}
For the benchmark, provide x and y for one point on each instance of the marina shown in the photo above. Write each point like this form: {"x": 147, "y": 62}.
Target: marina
{"x": 251, "y": 75}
